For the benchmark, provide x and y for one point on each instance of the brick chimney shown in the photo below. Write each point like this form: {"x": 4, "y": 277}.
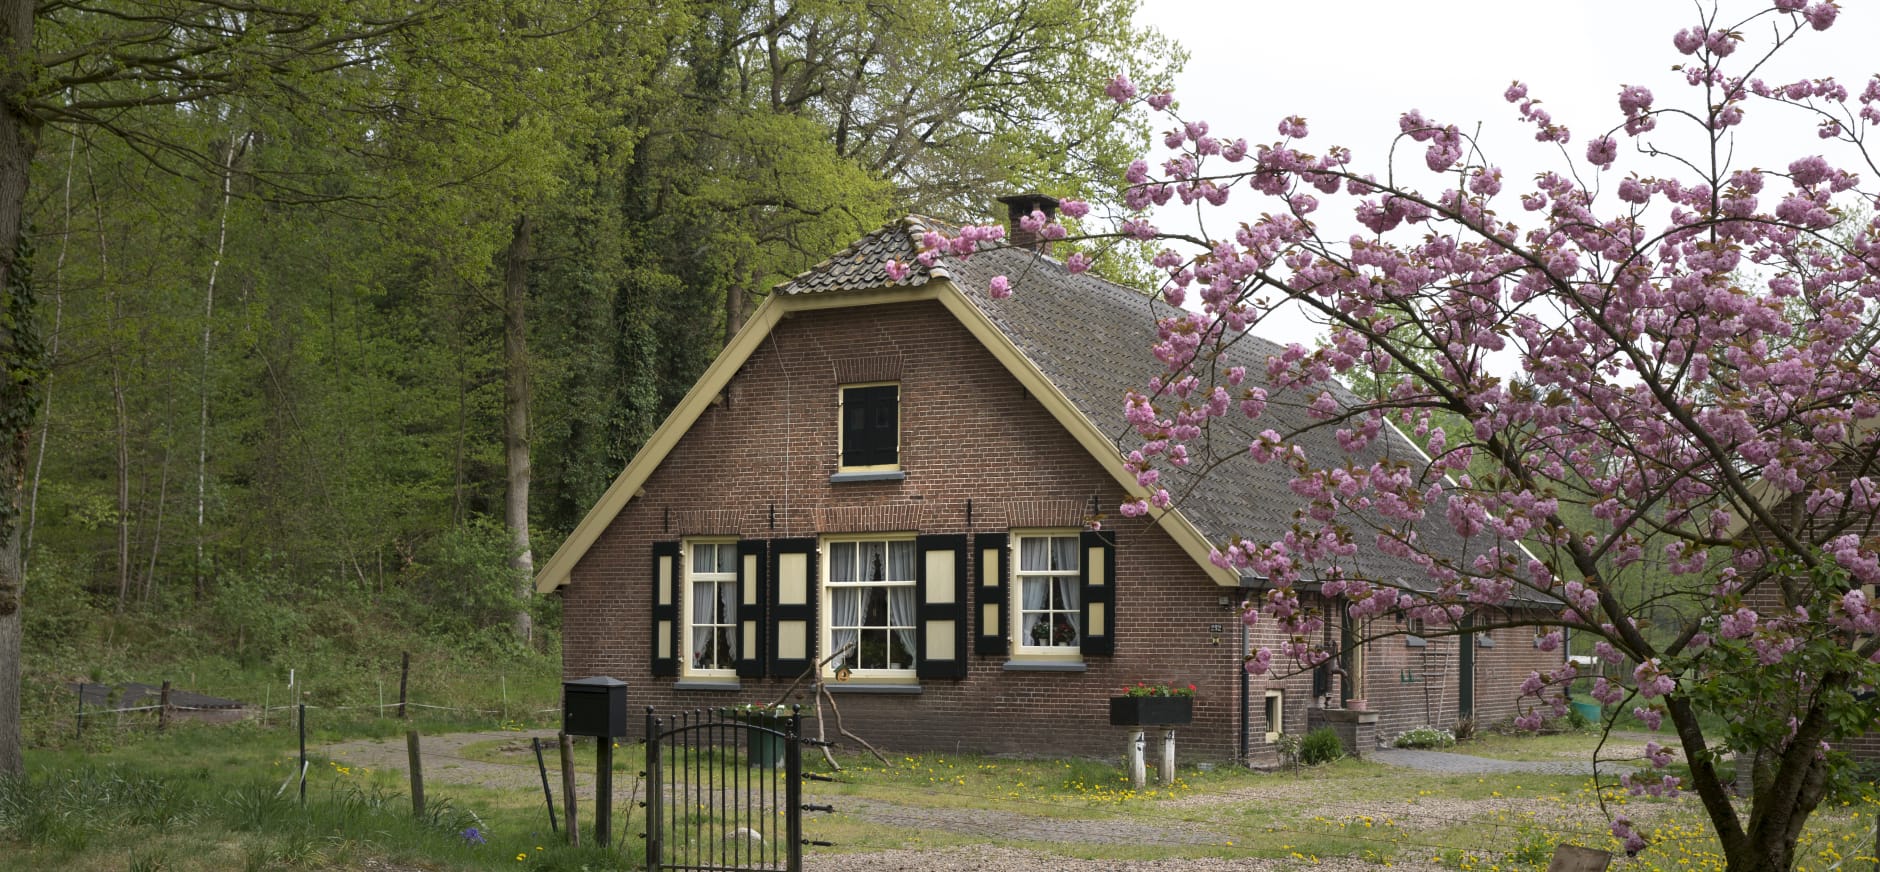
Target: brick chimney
{"x": 1021, "y": 205}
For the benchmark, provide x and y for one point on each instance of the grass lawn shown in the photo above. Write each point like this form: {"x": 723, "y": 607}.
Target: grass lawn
{"x": 211, "y": 798}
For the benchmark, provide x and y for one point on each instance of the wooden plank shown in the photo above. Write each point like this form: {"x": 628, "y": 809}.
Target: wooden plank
{"x": 1573, "y": 858}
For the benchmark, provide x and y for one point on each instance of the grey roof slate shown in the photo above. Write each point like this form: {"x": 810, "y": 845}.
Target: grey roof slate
{"x": 864, "y": 264}
{"x": 1091, "y": 338}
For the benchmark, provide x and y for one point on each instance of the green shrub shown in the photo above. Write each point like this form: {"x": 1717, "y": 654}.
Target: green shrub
{"x": 253, "y": 611}
{"x": 1425, "y": 737}
{"x": 463, "y": 586}
{"x": 1289, "y": 748}
{"x": 57, "y": 610}
{"x": 1321, "y": 746}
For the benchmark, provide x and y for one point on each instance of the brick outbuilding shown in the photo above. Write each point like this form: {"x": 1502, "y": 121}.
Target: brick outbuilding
{"x": 913, "y": 488}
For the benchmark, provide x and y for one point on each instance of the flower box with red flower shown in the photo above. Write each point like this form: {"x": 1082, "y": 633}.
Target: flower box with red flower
{"x": 1153, "y": 705}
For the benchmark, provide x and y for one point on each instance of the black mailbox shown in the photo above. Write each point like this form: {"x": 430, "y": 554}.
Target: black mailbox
{"x": 594, "y": 707}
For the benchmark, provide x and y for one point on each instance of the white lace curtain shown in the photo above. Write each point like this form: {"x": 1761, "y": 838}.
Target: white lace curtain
{"x": 1048, "y": 601}
{"x": 713, "y": 603}
{"x": 888, "y": 562}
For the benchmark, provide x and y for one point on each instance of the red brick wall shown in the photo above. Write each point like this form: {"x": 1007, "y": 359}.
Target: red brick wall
{"x": 1411, "y": 686}
{"x": 1408, "y": 686}
{"x": 969, "y": 431}
{"x": 1499, "y": 671}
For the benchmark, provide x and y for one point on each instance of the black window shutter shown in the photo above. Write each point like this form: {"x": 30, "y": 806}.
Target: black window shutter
{"x": 794, "y": 591}
{"x": 664, "y": 592}
{"x": 871, "y": 428}
{"x": 992, "y": 559}
{"x": 753, "y": 595}
{"x": 940, "y": 616}
{"x": 1097, "y": 608}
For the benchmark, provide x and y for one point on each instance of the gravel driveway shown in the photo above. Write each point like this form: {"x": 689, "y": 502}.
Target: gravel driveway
{"x": 1450, "y": 763}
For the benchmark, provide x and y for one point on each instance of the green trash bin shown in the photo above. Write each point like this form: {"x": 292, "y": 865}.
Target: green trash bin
{"x": 761, "y": 748}
{"x": 766, "y": 748}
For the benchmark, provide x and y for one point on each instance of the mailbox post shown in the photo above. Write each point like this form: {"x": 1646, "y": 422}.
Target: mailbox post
{"x": 597, "y": 707}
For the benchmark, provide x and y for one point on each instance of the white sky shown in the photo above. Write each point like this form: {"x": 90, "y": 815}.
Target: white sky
{"x": 1351, "y": 67}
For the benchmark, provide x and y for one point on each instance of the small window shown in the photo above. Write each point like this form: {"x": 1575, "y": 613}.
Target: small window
{"x": 871, "y": 426}
{"x": 712, "y": 609}
{"x": 1047, "y": 591}
{"x": 1275, "y": 714}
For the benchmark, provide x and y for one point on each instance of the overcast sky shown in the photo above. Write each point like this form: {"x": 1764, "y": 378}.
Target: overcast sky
{"x": 1353, "y": 66}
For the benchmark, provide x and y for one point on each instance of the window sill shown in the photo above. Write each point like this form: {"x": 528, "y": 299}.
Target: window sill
{"x": 878, "y": 475}
{"x": 1044, "y": 666}
{"x": 1484, "y": 642}
{"x": 1415, "y": 642}
{"x": 705, "y": 684}
{"x": 872, "y": 688}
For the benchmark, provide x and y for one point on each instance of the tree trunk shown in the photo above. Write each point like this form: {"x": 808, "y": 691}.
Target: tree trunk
{"x": 20, "y": 355}
{"x": 52, "y": 354}
{"x": 123, "y": 477}
{"x": 734, "y": 310}
{"x": 516, "y": 419}
{"x": 156, "y": 535}
{"x": 208, "y": 320}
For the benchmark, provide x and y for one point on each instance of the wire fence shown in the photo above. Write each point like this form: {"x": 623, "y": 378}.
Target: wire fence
{"x": 101, "y": 706}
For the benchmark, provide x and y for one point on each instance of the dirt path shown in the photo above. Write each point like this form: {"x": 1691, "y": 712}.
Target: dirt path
{"x": 444, "y": 762}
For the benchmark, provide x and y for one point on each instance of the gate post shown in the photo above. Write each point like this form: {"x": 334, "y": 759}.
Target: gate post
{"x": 793, "y": 790}
{"x": 604, "y": 791}
{"x": 655, "y": 796}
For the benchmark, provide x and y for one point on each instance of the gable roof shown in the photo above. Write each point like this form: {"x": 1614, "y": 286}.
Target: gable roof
{"x": 1078, "y": 343}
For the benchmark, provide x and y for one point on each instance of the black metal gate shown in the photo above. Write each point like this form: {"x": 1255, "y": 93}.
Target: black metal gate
{"x": 724, "y": 792}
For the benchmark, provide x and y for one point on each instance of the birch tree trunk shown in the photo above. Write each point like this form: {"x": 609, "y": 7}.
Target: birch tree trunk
{"x": 208, "y": 319}
{"x": 516, "y": 419}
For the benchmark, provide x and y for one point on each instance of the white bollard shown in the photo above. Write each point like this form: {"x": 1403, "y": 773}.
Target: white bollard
{"x": 1166, "y": 771}
{"x": 1138, "y": 776}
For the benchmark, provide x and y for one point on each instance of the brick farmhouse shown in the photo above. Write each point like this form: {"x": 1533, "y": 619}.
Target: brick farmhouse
{"x": 913, "y": 488}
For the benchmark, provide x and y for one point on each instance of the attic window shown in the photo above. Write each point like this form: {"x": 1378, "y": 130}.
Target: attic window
{"x": 871, "y": 427}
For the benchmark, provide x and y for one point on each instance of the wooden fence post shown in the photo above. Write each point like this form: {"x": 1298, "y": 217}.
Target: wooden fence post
{"x": 79, "y": 722}
{"x": 417, "y": 773}
{"x": 163, "y": 708}
{"x": 404, "y": 678}
{"x": 548, "y": 795}
{"x": 568, "y": 804}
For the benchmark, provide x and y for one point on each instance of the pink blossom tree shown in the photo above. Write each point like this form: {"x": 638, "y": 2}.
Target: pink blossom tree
{"x": 1669, "y": 373}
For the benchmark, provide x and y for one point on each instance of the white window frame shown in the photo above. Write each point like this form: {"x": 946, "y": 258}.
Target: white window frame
{"x": 1022, "y": 649}
{"x": 826, "y": 608}
{"x": 689, "y": 579}
{"x": 842, "y": 430}
{"x": 1275, "y": 699}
